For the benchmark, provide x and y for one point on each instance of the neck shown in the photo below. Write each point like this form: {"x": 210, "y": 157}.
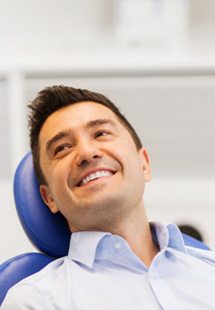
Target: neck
{"x": 133, "y": 227}
{"x": 137, "y": 232}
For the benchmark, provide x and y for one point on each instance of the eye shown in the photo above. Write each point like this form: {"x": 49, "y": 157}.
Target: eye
{"x": 101, "y": 133}
{"x": 61, "y": 148}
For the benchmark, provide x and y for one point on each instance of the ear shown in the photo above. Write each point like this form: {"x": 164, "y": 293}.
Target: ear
{"x": 145, "y": 162}
{"x": 47, "y": 198}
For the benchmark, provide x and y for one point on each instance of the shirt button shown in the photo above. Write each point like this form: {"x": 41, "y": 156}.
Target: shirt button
{"x": 117, "y": 245}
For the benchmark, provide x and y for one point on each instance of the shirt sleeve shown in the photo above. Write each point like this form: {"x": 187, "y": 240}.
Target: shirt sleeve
{"x": 25, "y": 297}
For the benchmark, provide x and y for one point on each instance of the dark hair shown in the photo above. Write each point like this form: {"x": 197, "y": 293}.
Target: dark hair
{"x": 54, "y": 98}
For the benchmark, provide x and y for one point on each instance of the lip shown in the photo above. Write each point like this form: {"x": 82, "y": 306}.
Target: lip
{"x": 88, "y": 172}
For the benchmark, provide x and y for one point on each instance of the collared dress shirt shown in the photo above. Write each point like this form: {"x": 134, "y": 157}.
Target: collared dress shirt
{"x": 102, "y": 273}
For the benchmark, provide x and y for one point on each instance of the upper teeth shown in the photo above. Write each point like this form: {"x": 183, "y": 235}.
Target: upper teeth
{"x": 96, "y": 175}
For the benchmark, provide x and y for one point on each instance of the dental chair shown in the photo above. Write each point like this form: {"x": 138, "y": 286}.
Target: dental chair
{"x": 48, "y": 232}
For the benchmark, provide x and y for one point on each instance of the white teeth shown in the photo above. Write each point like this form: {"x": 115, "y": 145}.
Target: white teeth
{"x": 96, "y": 175}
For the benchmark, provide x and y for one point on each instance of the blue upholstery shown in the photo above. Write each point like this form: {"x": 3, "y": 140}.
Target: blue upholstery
{"x": 48, "y": 232}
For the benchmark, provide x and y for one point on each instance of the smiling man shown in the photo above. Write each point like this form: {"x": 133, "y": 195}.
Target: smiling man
{"x": 92, "y": 167}
{"x": 94, "y": 173}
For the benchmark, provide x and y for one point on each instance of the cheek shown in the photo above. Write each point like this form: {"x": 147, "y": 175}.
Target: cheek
{"x": 133, "y": 161}
{"x": 58, "y": 177}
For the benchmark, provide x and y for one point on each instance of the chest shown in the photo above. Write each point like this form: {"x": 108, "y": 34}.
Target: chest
{"x": 175, "y": 286}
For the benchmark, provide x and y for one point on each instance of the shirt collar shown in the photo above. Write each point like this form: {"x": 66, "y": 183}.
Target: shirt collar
{"x": 84, "y": 245}
{"x": 167, "y": 235}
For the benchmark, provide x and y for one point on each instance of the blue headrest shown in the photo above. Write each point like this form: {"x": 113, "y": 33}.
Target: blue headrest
{"x": 48, "y": 232}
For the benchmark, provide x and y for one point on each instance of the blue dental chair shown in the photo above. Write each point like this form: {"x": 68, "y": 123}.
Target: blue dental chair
{"x": 48, "y": 232}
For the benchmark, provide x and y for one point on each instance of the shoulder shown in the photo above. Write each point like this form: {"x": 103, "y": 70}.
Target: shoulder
{"x": 25, "y": 296}
{"x": 204, "y": 255}
{"x": 31, "y": 292}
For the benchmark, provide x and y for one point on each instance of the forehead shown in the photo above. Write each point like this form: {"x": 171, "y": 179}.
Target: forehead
{"x": 74, "y": 116}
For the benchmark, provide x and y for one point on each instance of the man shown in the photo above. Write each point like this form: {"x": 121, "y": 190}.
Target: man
{"x": 92, "y": 168}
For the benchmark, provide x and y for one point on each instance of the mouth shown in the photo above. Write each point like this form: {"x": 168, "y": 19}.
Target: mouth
{"x": 95, "y": 176}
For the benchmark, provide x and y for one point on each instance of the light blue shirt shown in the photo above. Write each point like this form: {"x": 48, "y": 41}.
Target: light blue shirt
{"x": 102, "y": 273}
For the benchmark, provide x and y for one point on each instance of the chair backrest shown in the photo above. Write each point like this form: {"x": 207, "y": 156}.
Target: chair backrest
{"x": 48, "y": 232}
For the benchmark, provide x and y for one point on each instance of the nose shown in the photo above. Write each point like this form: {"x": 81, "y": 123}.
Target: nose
{"x": 87, "y": 152}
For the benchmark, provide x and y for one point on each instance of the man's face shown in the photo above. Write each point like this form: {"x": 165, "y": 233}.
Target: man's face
{"x": 95, "y": 174}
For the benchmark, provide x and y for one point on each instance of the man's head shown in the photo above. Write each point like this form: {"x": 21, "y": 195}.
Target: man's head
{"x": 54, "y": 98}
{"x": 88, "y": 159}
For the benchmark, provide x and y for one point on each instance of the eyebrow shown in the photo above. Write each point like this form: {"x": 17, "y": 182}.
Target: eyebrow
{"x": 98, "y": 122}
{"x": 66, "y": 133}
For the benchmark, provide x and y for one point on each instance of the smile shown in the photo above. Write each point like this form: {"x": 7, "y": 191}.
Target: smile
{"x": 96, "y": 175}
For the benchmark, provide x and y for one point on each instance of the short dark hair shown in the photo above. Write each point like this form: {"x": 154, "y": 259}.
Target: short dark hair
{"x": 56, "y": 97}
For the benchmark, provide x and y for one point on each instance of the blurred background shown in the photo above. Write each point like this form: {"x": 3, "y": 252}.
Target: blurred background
{"x": 154, "y": 58}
